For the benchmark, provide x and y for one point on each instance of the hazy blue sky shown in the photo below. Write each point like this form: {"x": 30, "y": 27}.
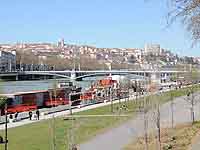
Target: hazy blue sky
{"x": 102, "y": 23}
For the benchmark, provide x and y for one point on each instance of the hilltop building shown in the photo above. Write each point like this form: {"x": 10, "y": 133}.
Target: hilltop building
{"x": 7, "y": 61}
{"x": 153, "y": 49}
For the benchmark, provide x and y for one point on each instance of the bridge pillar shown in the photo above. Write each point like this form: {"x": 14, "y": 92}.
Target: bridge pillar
{"x": 16, "y": 78}
{"x": 73, "y": 75}
{"x": 155, "y": 77}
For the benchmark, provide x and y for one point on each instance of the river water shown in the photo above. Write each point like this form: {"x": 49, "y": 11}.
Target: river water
{"x": 24, "y": 86}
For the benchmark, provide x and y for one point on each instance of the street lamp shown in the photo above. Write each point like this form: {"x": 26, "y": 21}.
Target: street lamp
{"x": 6, "y": 128}
{"x": 111, "y": 98}
{"x": 70, "y": 103}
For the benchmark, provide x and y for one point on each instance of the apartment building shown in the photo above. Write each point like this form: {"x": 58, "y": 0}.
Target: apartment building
{"x": 7, "y": 61}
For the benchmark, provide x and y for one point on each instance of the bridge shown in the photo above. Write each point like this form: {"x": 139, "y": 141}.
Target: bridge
{"x": 79, "y": 75}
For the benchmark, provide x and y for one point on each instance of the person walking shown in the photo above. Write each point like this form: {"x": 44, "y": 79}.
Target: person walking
{"x": 10, "y": 118}
{"x": 38, "y": 114}
{"x": 30, "y": 115}
{"x": 16, "y": 115}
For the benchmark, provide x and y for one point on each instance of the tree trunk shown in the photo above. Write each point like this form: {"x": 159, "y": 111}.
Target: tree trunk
{"x": 54, "y": 134}
{"x": 111, "y": 99}
{"x": 192, "y": 109}
{"x": 192, "y": 114}
{"x": 146, "y": 131}
{"x": 158, "y": 128}
{"x": 172, "y": 113}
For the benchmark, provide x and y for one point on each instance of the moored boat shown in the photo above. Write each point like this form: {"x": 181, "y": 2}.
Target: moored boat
{"x": 32, "y": 100}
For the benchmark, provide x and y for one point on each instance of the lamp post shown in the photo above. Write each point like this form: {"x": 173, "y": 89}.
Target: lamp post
{"x": 70, "y": 103}
{"x": 111, "y": 99}
{"x": 172, "y": 110}
{"x": 10, "y": 65}
{"x": 6, "y": 127}
{"x": 5, "y": 141}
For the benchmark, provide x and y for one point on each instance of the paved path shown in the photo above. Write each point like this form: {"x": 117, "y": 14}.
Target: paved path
{"x": 117, "y": 138}
{"x": 195, "y": 143}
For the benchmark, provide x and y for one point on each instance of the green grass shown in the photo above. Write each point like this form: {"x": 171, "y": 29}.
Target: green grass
{"x": 38, "y": 136}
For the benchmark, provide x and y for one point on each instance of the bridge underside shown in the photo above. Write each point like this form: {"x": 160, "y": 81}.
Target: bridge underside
{"x": 43, "y": 76}
{"x": 20, "y": 77}
{"x": 107, "y": 74}
{"x": 78, "y": 76}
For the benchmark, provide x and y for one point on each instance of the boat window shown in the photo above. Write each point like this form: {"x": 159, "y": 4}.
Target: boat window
{"x": 9, "y": 101}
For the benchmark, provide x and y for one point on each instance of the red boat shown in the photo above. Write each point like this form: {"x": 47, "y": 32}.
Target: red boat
{"x": 21, "y": 108}
{"x": 27, "y": 101}
{"x": 24, "y": 101}
{"x": 88, "y": 98}
{"x": 56, "y": 102}
{"x": 88, "y": 95}
{"x": 98, "y": 92}
{"x": 106, "y": 82}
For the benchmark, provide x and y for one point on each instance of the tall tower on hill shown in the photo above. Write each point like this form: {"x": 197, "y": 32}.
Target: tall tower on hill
{"x": 61, "y": 43}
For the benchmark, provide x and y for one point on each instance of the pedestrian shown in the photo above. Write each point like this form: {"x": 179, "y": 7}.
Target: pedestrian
{"x": 117, "y": 108}
{"x": 10, "y": 118}
{"x": 38, "y": 114}
{"x": 16, "y": 115}
{"x": 142, "y": 92}
{"x": 30, "y": 115}
{"x": 120, "y": 109}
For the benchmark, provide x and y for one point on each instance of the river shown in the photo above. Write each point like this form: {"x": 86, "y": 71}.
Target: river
{"x": 24, "y": 86}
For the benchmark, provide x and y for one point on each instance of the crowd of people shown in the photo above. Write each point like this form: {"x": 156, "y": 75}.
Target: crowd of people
{"x": 14, "y": 117}
{"x": 37, "y": 115}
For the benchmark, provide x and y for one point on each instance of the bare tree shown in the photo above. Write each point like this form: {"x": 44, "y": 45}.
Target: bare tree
{"x": 145, "y": 106}
{"x": 192, "y": 101}
{"x": 88, "y": 63}
{"x": 190, "y": 76}
{"x": 188, "y": 12}
{"x": 58, "y": 63}
{"x": 125, "y": 85}
{"x": 71, "y": 138}
{"x": 52, "y": 95}
{"x": 157, "y": 121}
{"x": 172, "y": 109}
{"x": 174, "y": 78}
{"x": 24, "y": 58}
{"x": 145, "y": 111}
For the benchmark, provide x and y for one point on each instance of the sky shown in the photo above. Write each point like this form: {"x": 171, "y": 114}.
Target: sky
{"x": 101, "y": 23}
